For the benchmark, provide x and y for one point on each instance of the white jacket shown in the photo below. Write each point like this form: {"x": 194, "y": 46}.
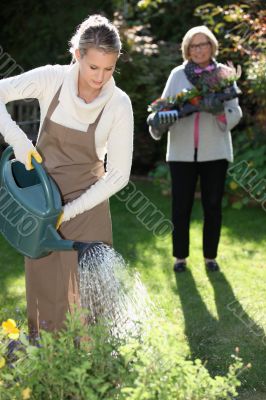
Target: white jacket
{"x": 214, "y": 136}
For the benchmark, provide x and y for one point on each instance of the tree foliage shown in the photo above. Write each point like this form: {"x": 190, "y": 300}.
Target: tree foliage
{"x": 241, "y": 30}
{"x": 37, "y": 33}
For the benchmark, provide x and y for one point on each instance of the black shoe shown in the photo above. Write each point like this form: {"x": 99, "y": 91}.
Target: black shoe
{"x": 180, "y": 266}
{"x": 212, "y": 266}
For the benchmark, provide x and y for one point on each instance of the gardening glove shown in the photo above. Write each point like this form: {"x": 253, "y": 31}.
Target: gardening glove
{"x": 24, "y": 151}
{"x": 212, "y": 104}
{"x": 162, "y": 119}
{"x": 160, "y": 122}
{"x": 59, "y": 220}
{"x": 187, "y": 109}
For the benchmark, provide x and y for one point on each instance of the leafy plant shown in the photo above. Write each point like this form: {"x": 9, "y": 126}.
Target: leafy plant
{"x": 80, "y": 363}
{"x": 161, "y": 177}
{"x": 246, "y": 177}
{"x": 220, "y": 81}
{"x": 240, "y": 28}
{"x": 159, "y": 372}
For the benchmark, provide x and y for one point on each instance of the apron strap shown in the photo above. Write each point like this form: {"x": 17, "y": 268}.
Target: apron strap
{"x": 54, "y": 103}
{"x": 95, "y": 123}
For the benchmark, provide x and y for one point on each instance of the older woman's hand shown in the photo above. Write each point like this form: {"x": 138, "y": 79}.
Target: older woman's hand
{"x": 211, "y": 104}
{"x": 160, "y": 122}
{"x": 162, "y": 119}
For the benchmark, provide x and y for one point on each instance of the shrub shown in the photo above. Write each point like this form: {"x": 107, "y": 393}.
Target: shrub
{"x": 101, "y": 366}
{"x": 246, "y": 178}
{"x": 159, "y": 372}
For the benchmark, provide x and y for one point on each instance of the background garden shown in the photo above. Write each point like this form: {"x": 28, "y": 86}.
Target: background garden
{"x": 208, "y": 316}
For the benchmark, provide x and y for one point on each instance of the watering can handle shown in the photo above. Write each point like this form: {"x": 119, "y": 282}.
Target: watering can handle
{"x": 8, "y": 152}
{"x": 46, "y": 185}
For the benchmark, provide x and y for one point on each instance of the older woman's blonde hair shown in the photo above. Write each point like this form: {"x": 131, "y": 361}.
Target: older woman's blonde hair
{"x": 194, "y": 31}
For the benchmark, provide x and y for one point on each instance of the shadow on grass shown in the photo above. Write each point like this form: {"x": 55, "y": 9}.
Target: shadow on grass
{"x": 129, "y": 231}
{"x": 210, "y": 338}
{"x": 214, "y": 340}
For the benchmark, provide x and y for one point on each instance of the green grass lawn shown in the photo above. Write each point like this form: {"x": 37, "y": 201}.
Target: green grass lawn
{"x": 211, "y": 314}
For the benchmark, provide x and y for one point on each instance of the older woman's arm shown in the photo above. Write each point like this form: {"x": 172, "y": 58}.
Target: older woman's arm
{"x": 231, "y": 116}
{"x": 157, "y": 129}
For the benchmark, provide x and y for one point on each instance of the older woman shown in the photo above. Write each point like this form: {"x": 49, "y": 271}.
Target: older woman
{"x": 199, "y": 146}
{"x": 84, "y": 115}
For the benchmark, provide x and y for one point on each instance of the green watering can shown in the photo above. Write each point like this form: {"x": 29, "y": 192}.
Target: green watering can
{"x": 30, "y": 204}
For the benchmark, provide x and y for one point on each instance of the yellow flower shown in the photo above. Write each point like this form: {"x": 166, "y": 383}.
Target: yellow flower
{"x": 2, "y": 362}
{"x": 10, "y": 329}
{"x": 26, "y": 393}
{"x": 233, "y": 185}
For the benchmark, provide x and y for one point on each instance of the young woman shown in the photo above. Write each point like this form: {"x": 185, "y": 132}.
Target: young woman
{"x": 84, "y": 115}
{"x": 199, "y": 146}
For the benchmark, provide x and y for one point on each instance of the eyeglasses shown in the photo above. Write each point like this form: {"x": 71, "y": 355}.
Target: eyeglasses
{"x": 200, "y": 46}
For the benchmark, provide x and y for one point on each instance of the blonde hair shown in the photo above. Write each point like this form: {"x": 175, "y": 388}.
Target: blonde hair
{"x": 194, "y": 31}
{"x": 95, "y": 32}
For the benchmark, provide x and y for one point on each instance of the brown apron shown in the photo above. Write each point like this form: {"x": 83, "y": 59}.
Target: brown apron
{"x": 70, "y": 157}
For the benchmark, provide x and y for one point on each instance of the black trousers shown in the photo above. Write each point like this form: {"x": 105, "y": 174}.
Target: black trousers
{"x": 184, "y": 176}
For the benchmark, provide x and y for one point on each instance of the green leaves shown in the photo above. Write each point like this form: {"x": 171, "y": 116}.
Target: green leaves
{"x": 159, "y": 372}
{"x": 147, "y": 367}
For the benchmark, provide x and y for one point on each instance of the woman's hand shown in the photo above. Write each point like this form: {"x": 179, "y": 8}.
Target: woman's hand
{"x": 211, "y": 104}
{"x": 33, "y": 154}
{"x": 162, "y": 120}
{"x": 59, "y": 220}
{"x": 25, "y": 151}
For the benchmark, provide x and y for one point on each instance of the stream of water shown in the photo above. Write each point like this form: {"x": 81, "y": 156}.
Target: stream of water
{"x": 111, "y": 292}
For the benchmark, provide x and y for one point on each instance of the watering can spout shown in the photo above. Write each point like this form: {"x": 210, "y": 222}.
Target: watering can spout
{"x": 83, "y": 248}
{"x": 54, "y": 242}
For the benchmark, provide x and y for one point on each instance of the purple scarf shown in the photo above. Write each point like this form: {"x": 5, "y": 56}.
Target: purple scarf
{"x": 194, "y": 72}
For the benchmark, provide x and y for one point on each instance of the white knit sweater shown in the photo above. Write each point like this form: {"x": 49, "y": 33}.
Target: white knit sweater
{"x": 114, "y": 133}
